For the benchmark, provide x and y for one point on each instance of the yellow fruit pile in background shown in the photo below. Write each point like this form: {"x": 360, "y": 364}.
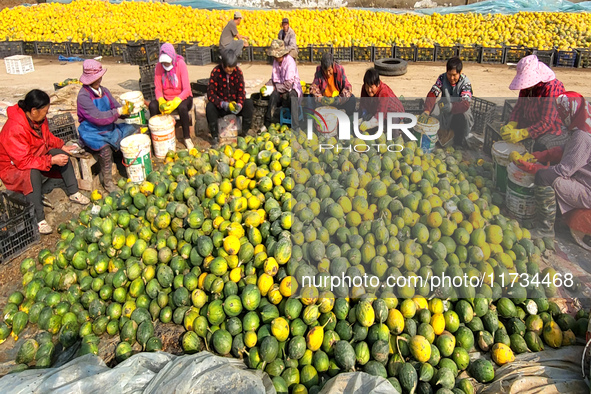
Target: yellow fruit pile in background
{"x": 99, "y": 21}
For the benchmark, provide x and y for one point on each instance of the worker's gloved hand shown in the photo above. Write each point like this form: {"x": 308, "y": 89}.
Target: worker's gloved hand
{"x": 326, "y": 100}
{"x": 445, "y": 107}
{"x": 512, "y": 124}
{"x": 161, "y": 104}
{"x": 234, "y": 107}
{"x": 364, "y": 126}
{"x": 553, "y": 155}
{"x": 424, "y": 118}
{"x": 531, "y": 168}
{"x": 225, "y": 105}
{"x": 365, "y": 115}
{"x": 513, "y": 136}
{"x": 173, "y": 104}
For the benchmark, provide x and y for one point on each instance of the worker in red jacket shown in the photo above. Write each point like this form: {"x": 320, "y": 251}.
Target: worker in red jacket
{"x": 29, "y": 154}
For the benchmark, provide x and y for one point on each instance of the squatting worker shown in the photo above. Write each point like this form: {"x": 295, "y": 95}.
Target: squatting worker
{"x": 288, "y": 36}
{"x": 226, "y": 95}
{"x": 230, "y": 32}
{"x": 563, "y": 174}
{"x": 454, "y": 91}
{"x": 29, "y": 154}
{"x": 376, "y": 97}
{"x": 534, "y": 119}
{"x": 331, "y": 86}
{"x": 173, "y": 89}
{"x": 285, "y": 80}
{"x": 98, "y": 112}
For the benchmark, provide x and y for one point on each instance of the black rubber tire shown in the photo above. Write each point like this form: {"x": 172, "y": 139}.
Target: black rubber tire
{"x": 391, "y": 67}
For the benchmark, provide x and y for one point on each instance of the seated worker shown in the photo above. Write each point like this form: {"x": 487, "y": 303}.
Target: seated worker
{"x": 453, "y": 111}
{"x": 29, "y": 154}
{"x": 535, "y": 116}
{"x": 230, "y": 32}
{"x": 285, "y": 80}
{"x": 331, "y": 87}
{"x": 97, "y": 113}
{"x": 173, "y": 89}
{"x": 376, "y": 97}
{"x": 288, "y": 36}
{"x": 567, "y": 180}
{"x": 226, "y": 95}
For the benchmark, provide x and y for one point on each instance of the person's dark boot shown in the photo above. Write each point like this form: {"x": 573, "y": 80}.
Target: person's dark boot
{"x": 106, "y": 164}
{"x": 545, "y": 212}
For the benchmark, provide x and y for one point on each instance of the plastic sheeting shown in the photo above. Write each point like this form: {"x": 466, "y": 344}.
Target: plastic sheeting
{"x": 358, "y": 382}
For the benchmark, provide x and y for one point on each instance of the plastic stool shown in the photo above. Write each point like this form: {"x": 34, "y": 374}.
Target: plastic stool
{"x": 285, "y": 116}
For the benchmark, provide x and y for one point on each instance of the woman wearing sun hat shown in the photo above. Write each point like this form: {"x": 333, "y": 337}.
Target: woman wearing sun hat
{"x": 173, "y": 89}
{"x": 97, "y": 113}
{"x": 534, "y": 116}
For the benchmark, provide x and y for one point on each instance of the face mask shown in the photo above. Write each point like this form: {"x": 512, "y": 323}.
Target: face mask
{"x": 168, "y": 68}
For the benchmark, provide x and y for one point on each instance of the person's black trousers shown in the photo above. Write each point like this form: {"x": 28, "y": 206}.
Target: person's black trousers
{"x": 277, "y": 100}
{"x": 213, "y": 113}
{"x": 183, "y": 111}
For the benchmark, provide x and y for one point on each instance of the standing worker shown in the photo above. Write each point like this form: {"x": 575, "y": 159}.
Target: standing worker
{"x": 566, "y": 181}
{"x": 173, "y": 89}
{"x": 230, "y": 32}
{"x": 29, "y": 154}
{"x": 331, "y": 86}
{"x": 226, "y": 95}
{"x": 534, "y": 117}
{"x": 454, "y": 91}
{"x": 288, "y": 36}
{"x": 285, "y": 80}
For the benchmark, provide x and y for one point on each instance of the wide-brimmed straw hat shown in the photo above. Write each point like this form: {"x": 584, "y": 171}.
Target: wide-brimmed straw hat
{"x": 530, "y": 72}
{"x": 277, "y": 49}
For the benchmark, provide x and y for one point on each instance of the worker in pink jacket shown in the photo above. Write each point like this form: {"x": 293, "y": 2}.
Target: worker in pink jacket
{"x": 173, "y": 89}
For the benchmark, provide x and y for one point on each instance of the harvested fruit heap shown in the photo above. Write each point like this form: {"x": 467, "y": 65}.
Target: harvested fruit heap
{"x": 100, "y": 21}
{"x": 220, "y": 242}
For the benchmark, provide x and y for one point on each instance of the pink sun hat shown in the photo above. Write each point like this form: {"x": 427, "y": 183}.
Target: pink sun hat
{"x": 92, "y": 71}
{"x": 530, "y": 72}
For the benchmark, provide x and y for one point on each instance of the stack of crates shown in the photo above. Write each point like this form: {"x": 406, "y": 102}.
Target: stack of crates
{"x": 18, "y": 225}
{"x": 198, "y": 56}
{"x": 147, "y": 86}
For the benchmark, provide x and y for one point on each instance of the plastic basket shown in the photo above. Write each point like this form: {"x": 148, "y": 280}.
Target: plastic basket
{"x": 215, "y": 54}
{"x": 63, "y": 126}
{"x": 18, "y": 225}
{"x": 199, "y": 88}
{"x": 513, "y": 54}
{"x": 147, "y": 73}
{"x": 566, "y": 58}
{"x": 148, "y": 90}
{"x": 19, "y": 64}
{"x": 305, "y": 54}
{"x": 507, "y": 110}
{"x": 10, "y": 48}
{"x": 546, "y": 56}
{"x": 342, "y": 54}
{"x": 483, "y": 112}
{"x": 143, "y": 53}
{"x": 29, "y": 48}
{"x": 406, "y": 53}
{"x": 469, "y": 53}
{"x": 92, "y": 49}
{"x": 318, "y": 51}
{"x": 118, "y": 49}
{"x": 106, "y": 50}
{"x": 362, "y": 54}
{"x": 491, "y": 135}
{"x": 583, "y": 58}
{"x": 76, "y": 49}
{"x": 492, "y": 55}
{"x": 60, "y": 48}
{"x": 43, "y": 48}
{"x": 425, "y": 55}
{"x": 259, "y": 54}
{"x": 414, "y": 106}
{"x": 198, "y": 56}
{"x": 443, "y": 54}
{"x": 382, "y": 53}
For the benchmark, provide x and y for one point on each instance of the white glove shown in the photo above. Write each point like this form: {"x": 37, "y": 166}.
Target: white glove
{"x": 368, "y": 124}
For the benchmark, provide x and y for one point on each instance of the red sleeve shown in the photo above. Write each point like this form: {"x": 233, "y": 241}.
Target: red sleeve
{"x": 212, "y": 88}
{"x": 158, "y": 81}
{"x": 459, "y": 107}
{"x": 19, "y": 151}
{"x": 517, "y": 108}
{"x": 433, "y": 94}
{"x": 185, "y": 82}
{"x": 241, "y": 92}
{"x": 549, "y": 121}
{"x": 315, "y": 87}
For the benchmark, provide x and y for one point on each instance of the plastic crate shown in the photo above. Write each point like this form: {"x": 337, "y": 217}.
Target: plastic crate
{"x": 546, "y": 56}
{"x": 106, "y": 50}
{"x": 215, "y": 54}
{"x": 76, "y": 49}
{"x": 10, "y": 48}
{"x": 382, "y": 53}
{"x": 63, "y": 126}
{"x": 443, "y": 54}
{"x": 406, "y": 53}
{"x": 60, "y": 48}
{"x": 566, "y": 58}
{"x": 492, "y": 55}
{"x": 342, "y": 54}
{"x": 198, "y": 56}
{"x": 259, "y": 54}
{"x": 118, "y": 49}
{"x": 92, "y": 49}
{"x": 507, "y": 110}
{"x": 143, "y": 53}
{"x": 18, "y": 225}
{"x": 425, "y": 55}
{"x": 413, "y": 106}
{"x": 483, "y": 112}
{"x": 362, "y": 54}
{"x": 19, "y": 64}
{"x": 199, "y": 88}
{"x": 43, "y": 48}
{"x": 305, "y": 54}
{"x": 147, "y": 73}
{"x": 148, "y": 90}
{"x": 469, "y": 53}
{"x": 513, "y": 54}
{"x": 583, "y": 58}
{"x": 29, "y": 48}
{"x": 318, "y": 51}
{"x": 491, "y": 135}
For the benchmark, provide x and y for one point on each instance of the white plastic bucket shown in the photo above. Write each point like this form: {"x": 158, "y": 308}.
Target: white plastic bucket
{"x": 332, "y": 122}
{"x": 520, "y": 193}
{"x": 426, "y": 134}
{"x": 500, "y": 154}
{"x": 138, "y": 111}
{"x": 137, "y": 156}
{"x": 163, "y": 135}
